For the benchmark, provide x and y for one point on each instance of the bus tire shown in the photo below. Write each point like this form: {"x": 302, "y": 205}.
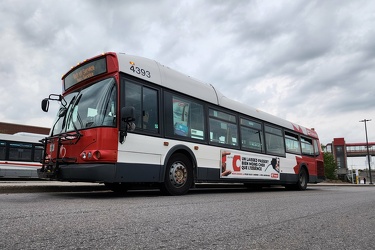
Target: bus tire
{"x": 178, "y": 175}
{"x": 302, "y": 181}
{"x": 117, "y": 187}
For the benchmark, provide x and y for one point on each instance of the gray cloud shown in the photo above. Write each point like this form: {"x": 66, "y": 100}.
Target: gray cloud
{"x": 308, "y": 61}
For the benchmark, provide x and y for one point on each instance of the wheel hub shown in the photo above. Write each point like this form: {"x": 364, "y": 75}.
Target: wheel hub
{"x": 178, "y": 174}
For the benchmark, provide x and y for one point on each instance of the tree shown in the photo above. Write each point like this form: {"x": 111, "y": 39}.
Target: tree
{"x": 329, "y": 166}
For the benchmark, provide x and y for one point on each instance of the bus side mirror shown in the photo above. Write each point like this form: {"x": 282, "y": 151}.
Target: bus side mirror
{"x": 127, "y": 122}
{"x": 127, "y": 114}
{"x": 45, "y": 104}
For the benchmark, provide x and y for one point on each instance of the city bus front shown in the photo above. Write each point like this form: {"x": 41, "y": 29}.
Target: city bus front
{"x": 83, "y": 142}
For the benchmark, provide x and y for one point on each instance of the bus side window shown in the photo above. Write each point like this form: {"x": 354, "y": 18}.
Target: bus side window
{"x": 316, "y": 148}
{"x": 223, "y": 128}
{"x": 20, "y": 151}
{"x": 145, "y": 102}
{"x": 292, "y": 143}
{"x": 252, "y": 135}
{"x": 217, "y": 131}
{"x": 150, "y": 110}
{"x": 133, "y": 99}
{"x": 187, "y": 118}
{"x": 181, "y": 117}
{"x": 38, "y": 153}
{"x": 2, "y": 150}
{"x": 307, "y": 146}
{"x": 274, "y": 141}
{"x": 197, "y": 127}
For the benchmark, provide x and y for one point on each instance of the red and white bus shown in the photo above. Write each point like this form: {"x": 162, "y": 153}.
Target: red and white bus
{"x": 125, "y": 119}
{"x": 20, "y": 155}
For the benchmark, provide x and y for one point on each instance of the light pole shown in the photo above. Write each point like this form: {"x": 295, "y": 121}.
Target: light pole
{"x": 368, "y": 152}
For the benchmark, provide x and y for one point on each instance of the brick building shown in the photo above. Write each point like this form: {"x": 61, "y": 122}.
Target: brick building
{"x": 11, "y": 128}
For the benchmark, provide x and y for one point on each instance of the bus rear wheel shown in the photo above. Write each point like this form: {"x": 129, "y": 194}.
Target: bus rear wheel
{"x": 178, "y": 175}
{"x": 302, "y": 181}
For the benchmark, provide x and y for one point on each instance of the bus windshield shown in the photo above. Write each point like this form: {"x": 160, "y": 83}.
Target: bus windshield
{"x": 92, "y": 106}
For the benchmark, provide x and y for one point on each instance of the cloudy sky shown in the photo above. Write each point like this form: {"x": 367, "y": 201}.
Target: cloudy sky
{"x": 310, "y": 62}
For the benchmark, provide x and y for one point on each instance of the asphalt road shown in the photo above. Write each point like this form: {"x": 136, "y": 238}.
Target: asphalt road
{"x": 323, "y": 217}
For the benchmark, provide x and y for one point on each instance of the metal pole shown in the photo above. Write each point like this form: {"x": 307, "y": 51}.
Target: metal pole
{"x": 368, "y": 152}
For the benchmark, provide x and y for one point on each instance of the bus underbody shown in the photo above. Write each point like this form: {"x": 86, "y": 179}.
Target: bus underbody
{"x": 121, "y": 176}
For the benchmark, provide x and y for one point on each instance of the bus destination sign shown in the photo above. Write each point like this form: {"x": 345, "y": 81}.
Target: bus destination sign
{"x": 85, "y": 72}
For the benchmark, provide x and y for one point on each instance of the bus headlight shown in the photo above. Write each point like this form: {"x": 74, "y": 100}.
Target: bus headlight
{"x": 97, "y": 155}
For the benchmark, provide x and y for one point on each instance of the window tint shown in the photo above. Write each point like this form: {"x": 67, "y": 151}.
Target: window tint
{"x": 2, "y": 150}
{"x": 251, "y": 135}
{"x": 188, "y": 118}
{"x": 133, "y": 98}
{"x": 274, "y": 140}
{"x": 307, "y": 146}
{"x": 273, "y": 130}
{"x": 150, "y": 110}
{"x": 223, "y": 128}
{"x": 316, "y": 147}
{"x": 145, "y": 102}
{"x": 20, "y": 151}
{"x": 38, "y": 153}
{"x": 222, "y": 115}
{"x": 292, "y": 143}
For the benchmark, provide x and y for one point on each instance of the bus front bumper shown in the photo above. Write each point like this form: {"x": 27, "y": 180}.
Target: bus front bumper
{"x": 80, "y": 173}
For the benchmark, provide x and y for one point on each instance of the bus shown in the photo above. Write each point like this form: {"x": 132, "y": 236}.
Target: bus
{"x": 20, "y": 155}
{"x": 125, "y": 120}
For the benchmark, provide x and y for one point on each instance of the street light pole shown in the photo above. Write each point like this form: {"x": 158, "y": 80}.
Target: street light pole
{"x": 368, "y": 152}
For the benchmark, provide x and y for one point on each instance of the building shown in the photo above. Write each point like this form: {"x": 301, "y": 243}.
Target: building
{"x": 11, "y": 128}
{"x": 341, "y": 150}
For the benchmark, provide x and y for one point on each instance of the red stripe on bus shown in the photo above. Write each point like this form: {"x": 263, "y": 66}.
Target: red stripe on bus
{"x": 20, "y": 164}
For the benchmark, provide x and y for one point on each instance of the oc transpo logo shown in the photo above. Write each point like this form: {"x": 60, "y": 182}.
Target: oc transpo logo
{"x": 62, "y": 151}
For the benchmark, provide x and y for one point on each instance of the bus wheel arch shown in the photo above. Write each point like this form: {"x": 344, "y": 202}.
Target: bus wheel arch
{"x": 302, "y": 179}
{"x": 179, "y": 171}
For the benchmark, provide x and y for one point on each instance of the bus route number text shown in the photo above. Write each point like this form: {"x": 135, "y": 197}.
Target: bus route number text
{"x": 140, "y": 71}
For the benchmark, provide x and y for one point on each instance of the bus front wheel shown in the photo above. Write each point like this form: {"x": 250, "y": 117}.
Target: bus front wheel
{"x": 178, "y": 175}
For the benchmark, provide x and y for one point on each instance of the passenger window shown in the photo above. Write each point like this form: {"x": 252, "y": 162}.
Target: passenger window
{"x": 223, "y": 128}
{"x": 38, "y": 153}
{"x": 251, "y": 135}
{"x": 2, "y": 150}
{"x": 292, "y": 143}
{"x": 150, "y": 110}
{"x": 274, "y": 141}
{"x": 188, "y": 118}
{"x": 20, "y": 151}
{"x": 307, "y": 146}
{"x": 133, "y": 99}
{"x": 145, "y": 102}
{"x": 316, "y": 148}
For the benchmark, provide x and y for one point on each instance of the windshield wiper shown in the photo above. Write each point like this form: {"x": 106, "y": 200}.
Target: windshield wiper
{"x": 69, "y": 119}
{"x": 62, "y": 111}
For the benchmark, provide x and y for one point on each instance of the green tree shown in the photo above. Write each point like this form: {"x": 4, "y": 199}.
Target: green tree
{"x": 329, "y": 166}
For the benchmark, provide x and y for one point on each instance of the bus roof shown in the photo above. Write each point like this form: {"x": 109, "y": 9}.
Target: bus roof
{"x": 23, "y": 137}
{"x": 164, "y": 76}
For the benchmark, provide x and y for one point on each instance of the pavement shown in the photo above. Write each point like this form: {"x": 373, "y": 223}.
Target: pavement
{"x": 32, "y": 186}
{"x": 36, "y": 185}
